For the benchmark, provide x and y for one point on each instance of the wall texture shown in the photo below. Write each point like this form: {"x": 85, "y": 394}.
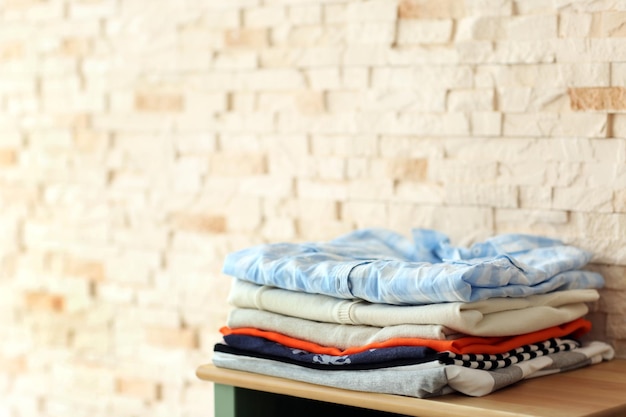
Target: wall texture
{"x": 142, "y": 140}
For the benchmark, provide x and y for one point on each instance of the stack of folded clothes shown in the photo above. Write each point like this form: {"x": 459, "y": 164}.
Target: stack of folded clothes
{"x": 374, "y": 311}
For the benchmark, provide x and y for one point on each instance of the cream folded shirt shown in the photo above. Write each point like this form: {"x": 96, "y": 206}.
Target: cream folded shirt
{"x": 490, "y": 317}
{"x": 332, "y": 334}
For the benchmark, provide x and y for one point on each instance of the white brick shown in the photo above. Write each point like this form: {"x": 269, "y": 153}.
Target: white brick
{"x": 319, "y": 57}
{"x": 481, "y": 195}
{"x": 532, "y": 27}
{"x": 481, "y": 28}
{"x": 274, "y": 79}
{"x": 195, "y": 143}
{"x": 574, "y": 50}
{"x": 578, "y": 75}
{"x": 379, "y": 33}
{"x": 541, "y": 222}
{"x": 205, "y": 102}
{"x": 358, "y": 168}
{"x": 574, "y": 25}
{"x": 460, "y": 223}
{"x": 419, "y": 55}
{"x": 447, "y": 171}
{"x": 365, "y": 214}
{"x": 419, "y": 192}
{"x": 470, "y": 100}
{"x": 78, "y": 102}
{"x": 618, "y": 127}
{"x": 366, "y": 123}
{"x": 370, "y": 189}
{"x": 506, "y": 76}
{"x": 323, "y": 78}
{"x": 564, "y": 174}
{"x": 583, "y": 199}
{"x": 474, "y": 52}
{"x": 276, "y": 102}
{"x": 335, "y": 13}
{"x": 535, "y": 7}
{"x": 132, "y": 122}
{"x": 58, "y": 66}
{"x": 525, "y": 218}
{"x": 606, "y": 50}
{"x": 11, "y": 138}
{"x": 529, "y": 173}
{"x": 525, "y": 52}
{"x": 25, "y": 105}
{"x": 266, "y": 186}
{"x": 17, "y": 84}
{"x": 323, "y": 124}
{"x": 305, "y": 14}
{"x": 354, "y": 78}
{"x": 365, "y": 55}
{"x": 322, "y": 190}
{"x": 285, "y": 163}
{"x": 279, "y": 57}
{"x": 423, "y": 31}
{"x": 372, "y": 10}
{"x": 535, "y": 197}
{"x": 448, "y": 124}
{"x": 101, "y": 9}
{"x": 238, "y": 123}
{"x": 222, "y": 19}
{"x": 431, "y": 76}
{"x": 601, "y": 174}
{"x": 134, "y": 266}
{"x": 391, "y": 78}
{"x": 609, "y": 150}
{"x": 546, "y": 124}
{"x": 216, "y": 80}
{"x": 411, "y": 147}
{"x": 264, "y": 16}
{"x": 301, "y": 208}
{"x": 241, "y": 102}
{"x": 344, "y": 146}
{"x": 51, "y": 138}
{"x": 235, "y": 60}
{"x": 618, "y": 76}
{"x": 486, "y": 123}
{"x": 277, "y": 229}
{"x": 115, "y": 293}
{"x": 426, "y": 100}
{"x": 514, "y": 100}
{"x": 45, "y": 11}
{"x": 489, "y": 7}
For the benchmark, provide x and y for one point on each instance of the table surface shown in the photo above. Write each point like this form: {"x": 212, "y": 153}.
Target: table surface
{"x": 596, "y": 390}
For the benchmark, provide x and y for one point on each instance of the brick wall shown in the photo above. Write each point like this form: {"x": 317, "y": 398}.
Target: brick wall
{"x": 141, "y": 141}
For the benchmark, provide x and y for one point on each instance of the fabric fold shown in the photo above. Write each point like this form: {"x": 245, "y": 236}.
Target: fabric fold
{"x": 382, "y": 266}
{"x": 387, "y": 357}
{"x": 332, "y": 334}
{"x": 476, "y": 382}
{"x": 425, "y": 380}
{"x": 492, "y": 317}
{"x": 468, "y": 344}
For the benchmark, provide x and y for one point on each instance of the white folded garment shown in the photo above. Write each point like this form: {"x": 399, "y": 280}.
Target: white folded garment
{"x": 341, "y": 336}
{"x": 491, "y": 317}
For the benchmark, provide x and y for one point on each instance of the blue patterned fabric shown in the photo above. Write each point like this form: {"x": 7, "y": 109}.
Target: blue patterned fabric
{"x": 369, "y": 359}
{"x": 382, "y": 266}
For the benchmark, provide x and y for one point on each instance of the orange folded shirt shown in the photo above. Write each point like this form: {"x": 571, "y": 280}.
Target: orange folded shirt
{"x": 469, "y": 344}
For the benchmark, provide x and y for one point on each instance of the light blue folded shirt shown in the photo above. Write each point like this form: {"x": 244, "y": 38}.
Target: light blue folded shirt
{"x": 382, "y": 266}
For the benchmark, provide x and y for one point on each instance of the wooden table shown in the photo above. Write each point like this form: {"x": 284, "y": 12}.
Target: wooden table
{"x": 597, "y": 390}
